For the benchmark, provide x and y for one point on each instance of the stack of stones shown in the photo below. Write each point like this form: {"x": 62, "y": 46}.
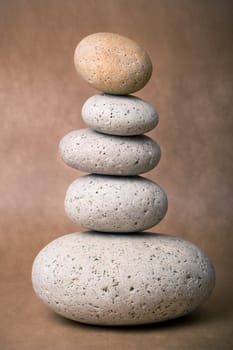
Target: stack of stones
{"x": 115, "y": 274}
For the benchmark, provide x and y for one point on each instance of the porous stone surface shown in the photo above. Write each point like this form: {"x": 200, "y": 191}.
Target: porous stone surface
{"x": 107, "y": 279}
{"x": 112, "y": 63}
{"x": 115, "y": 204}
{"x": 119, "y": 115}
{"x": 94, "y": 152}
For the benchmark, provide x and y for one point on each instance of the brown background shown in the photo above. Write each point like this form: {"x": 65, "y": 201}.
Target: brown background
{"x": 190, "y": 43}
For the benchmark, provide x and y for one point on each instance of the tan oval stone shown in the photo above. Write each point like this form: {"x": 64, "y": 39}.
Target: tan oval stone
{"x": 112, "y": 63}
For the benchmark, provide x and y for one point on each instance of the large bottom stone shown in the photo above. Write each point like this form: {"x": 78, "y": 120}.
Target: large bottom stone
{"x": 121, "y": 279}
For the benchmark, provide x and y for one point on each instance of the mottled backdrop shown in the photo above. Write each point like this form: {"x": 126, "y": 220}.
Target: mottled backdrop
{"x": 190, "y": 43}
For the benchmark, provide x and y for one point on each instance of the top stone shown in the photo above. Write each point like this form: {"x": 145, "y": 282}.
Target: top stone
{"x": 112, "y": 63}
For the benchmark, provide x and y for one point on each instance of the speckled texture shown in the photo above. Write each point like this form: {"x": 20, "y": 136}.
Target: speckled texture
{"x": 120, "y": 279}
{"x": 94, "y": 152}
{"x": 112, "y": 63}
{"x": 119, "y": 115}
{"x": 115, "y": 204}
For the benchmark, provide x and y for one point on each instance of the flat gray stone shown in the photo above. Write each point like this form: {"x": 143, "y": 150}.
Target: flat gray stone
{"x": 93, "y": 152}
{"x": 115, "y": 203}
{"x": 106, "y": 279}
{"x": 119, "y": 115}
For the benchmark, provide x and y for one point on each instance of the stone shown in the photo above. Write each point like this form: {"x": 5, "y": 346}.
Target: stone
{"x": 119, "y": 115}
{"x": 115, "y": 203}
{"x": 119, "y": 279}
{"x": 94, "y": 152}
{"x": 112, "y": 63}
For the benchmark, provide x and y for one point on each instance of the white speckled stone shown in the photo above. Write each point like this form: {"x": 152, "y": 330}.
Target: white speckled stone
{"x": 115, "y": 203}
{"x": 91, "y": 151}
{"x": 119, "y": 115}
{"x": 120, "y": 279}
{"x": 112, "y": 63}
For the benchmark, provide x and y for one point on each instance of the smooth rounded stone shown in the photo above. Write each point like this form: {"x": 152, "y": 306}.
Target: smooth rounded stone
{"x": 112, "y": 63}
{"x": 94, "y": 152}
{"x": 119, "y": 115}
{"x": 115, "y": 204}
{"x": 106, "y": 279}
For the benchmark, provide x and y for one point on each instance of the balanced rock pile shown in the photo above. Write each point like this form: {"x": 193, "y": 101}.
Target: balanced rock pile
{"x": 115, "y": 274}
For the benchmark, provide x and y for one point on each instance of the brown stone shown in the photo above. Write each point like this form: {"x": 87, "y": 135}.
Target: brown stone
{"x": 112, "y": 63}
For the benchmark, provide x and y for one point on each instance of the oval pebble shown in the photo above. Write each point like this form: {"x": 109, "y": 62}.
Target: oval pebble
{"x": 119, "y": 115}
{"x": 120, "y": 279}
{"x": 112, "y": 63}
{"x": 115, "y": 203}
{"x": 91, "y": 151}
